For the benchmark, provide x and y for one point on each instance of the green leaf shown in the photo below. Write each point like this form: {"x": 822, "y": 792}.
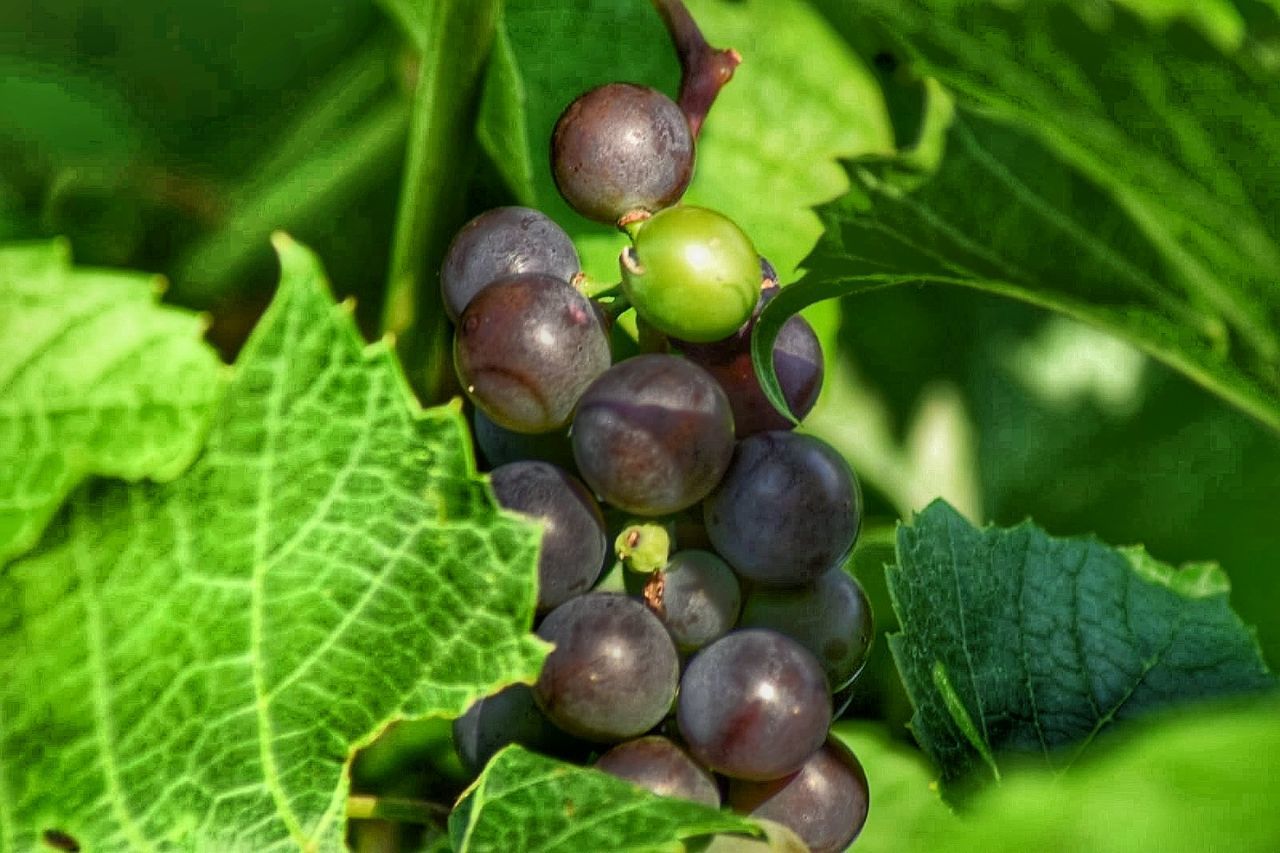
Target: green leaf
{"x": 190, "y": 665}
{"x": 1016, "y": 642}
{"x": 523, "y": 801}
{"x": 768, "y": 151}
{"x": 1195, "y": 782}
{"x": 501, "y": 128}
{"x": 95, "y": 378}
{"x": 1099, "y": 167}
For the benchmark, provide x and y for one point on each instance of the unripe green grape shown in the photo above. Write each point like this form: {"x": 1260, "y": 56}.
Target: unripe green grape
{"x": 692, "y": 274}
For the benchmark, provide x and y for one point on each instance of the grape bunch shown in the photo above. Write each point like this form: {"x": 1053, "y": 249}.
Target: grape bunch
{"x": 703, "y": 664}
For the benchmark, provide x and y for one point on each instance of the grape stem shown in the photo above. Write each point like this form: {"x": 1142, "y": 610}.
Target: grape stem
{"x": 704, "y": 69}
{"x": 399, "y": 809}
{"x": 593, "y": 289}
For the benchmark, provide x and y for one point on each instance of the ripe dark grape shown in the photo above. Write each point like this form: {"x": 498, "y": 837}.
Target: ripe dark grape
{"x": 692, "y": 274}
{"x": 573, "y": 538}
{"x": 499, "y": 243}
{"x": 659, "y": 765}
{"x": 653, "y": 435}
{"x": 830, "y": 617}
{"x": 500, "y": 446}
{"x": 508, "y": 716}
{"x": 696, "y": 596}
{"x": 825, "y": 803}
{"x": 621, "y": 147}
{"x": 614, "y": 670}
{"x": 797, "y": 361}
{"x": 526, "y": 348}
{"x": 754, "y": 705}
{"x": 787, "y": 510}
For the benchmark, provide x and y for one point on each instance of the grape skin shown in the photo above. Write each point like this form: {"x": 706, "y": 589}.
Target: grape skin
{"x": 500, "y": 446}
{"x": 573, "y": 532}
{"x": 697, "y": 598}
{"x": 526, "y": 348}
{"x": 830, "y": 617}
{"x": 825, "y": 803}
{"x": 614, "y": 671}
{"x": 508, "y": 716}
{"x": 754, "y": 705}
{"x": 787, "y": 510}
{"x": 657, "y": 764}
{"x": 499, "y": 243}
{"x": 653, "y": 435}
{"x": 621, "y": 147}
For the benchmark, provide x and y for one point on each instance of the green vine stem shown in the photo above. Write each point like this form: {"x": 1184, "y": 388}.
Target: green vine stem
{"x": 454, "y": 38}
{"x": 399, "y": 809}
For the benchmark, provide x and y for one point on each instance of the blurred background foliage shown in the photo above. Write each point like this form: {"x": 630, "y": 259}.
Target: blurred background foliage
{"x": 174, "y": 137}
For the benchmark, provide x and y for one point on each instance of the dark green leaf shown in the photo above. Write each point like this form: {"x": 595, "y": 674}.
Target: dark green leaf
{"x": 523, "y": 801}
{"x": 1014, "y": 641}
{"x": 1098, "y": 167}
{"x": 190, "y": 665}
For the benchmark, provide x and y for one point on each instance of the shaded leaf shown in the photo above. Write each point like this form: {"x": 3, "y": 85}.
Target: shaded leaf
{"x": 190, "y": 665}
{"x": 1013, "y": 641}
{"x": 95, "y": 378}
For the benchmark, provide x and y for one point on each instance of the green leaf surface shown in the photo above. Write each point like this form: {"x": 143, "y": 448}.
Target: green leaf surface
{"x": 1016, "y": 642}
{"x": 1194, "y": 782}
{"x": 190, "y": 665}
{"x": 1099, "y": 166}
{"x": 95, "y": 378}
{"x": 768, "y": 151}
{"x": 523, "y": 801}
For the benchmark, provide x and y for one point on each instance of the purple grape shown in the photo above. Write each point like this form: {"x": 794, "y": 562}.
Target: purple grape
{"x": 787, "y": 510}
{"x": 653, "y": 435}
{"x": 696, "y": 596}
{"x": 621, "y": 147}
{"x": 499, "y": 243}
{"x": 500, "y": 446}
{"x": 573, "y": 538}
{"x": 754, "y": 705}
{"x": 797, "y": 361}
{"x": 657, "y": 764}
{"x": 526, "y": 348}
{"x": 508, "y": 716}
{"x": 825, "y": 803}
{"x": 614, "y": 670}
{"x": 830, "y": 617}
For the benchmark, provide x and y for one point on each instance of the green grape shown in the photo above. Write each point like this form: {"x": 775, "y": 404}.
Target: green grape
{"x": 692, "y": 274}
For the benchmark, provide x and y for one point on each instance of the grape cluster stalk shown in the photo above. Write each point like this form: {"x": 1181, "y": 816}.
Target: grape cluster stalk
{"x": 699, "y": 657}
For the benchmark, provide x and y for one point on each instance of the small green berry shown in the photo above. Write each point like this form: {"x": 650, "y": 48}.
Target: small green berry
{"x": 692, "y": 274}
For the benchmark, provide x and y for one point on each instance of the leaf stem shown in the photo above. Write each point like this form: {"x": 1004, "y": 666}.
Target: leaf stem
{"x": 705, "y": 69}
{"x": 398, "y": 809}
{"x": 454, "y": 38}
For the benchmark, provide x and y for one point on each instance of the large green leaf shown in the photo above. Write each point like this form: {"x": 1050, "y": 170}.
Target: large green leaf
{"x": 95, "y": 378}
{"x": 190, "y": 665}
{"x": 1195, "y": 782}
{"x": 1013, "y": 641}
{"x": 767, "y": 152}
{"x": 1098, "y": 166}
{"x": 523, "y": 801}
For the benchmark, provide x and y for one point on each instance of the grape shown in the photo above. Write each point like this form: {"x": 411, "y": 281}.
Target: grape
{"x": 508, "y": 716}
{"x": 573, "y": 534}
{"x": 613, "y": 672}
{"x": 825, "y": 803}
{"x": 499, "y": 243}
{"x": 621, "y": 147}
{"x": 500, "y": 446}
{"x": 754, "y": 705}
{"x": 787, "y": 510}
{"x": 662, "y": 767}
{"x": 697, "y": 597}
{"x": 692, "y": 274}
{"x": 526, "y": 348}
{"x": 830, "y": 617}
{"x": 653, "y": 435}
{"x": 797, "y": 361}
